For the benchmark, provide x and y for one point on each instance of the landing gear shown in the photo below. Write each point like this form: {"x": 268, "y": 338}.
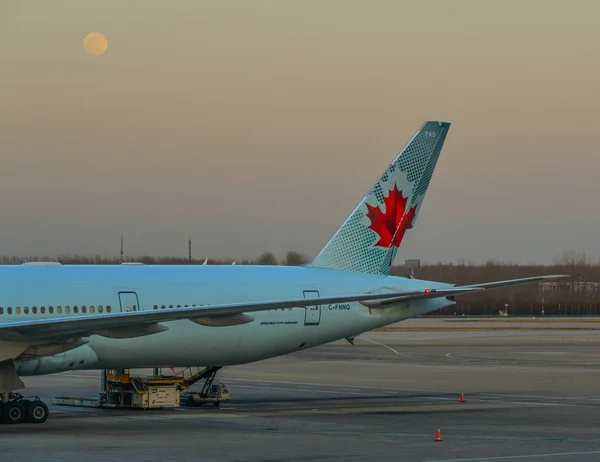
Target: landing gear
{"x": 14, "y": 412}
{"x": 18, "y": 410}
{"x": 14, "y": 408}
{"x": 37, "y": 412}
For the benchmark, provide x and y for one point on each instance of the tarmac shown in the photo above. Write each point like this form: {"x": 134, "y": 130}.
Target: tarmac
{"x": 530, "y": 395}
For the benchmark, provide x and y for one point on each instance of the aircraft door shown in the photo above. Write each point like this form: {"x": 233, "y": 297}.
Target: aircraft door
{"x": 129, "y": 301}
{"x": 312, "y": 314}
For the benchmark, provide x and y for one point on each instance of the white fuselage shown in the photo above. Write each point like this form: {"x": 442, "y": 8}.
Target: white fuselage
{"x": 32, "y": 293}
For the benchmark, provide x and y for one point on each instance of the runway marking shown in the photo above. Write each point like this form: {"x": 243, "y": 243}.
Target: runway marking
{"x": 386, "y": 394}
{"x": 565, "y": 398}
{"x": 523, "y": 456}
{"x": 396, "y": 390}
{"x": 307, "y": 390}
{"x": 483, "y": 397}
{"x": 386, "y": 346}
{"x": 340, "y": 391}
{"x": 594, "y": 406}
{"x": 540, "y": 352}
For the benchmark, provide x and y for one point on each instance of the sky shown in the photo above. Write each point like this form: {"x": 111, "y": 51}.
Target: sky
{"x": 255, "y": 127}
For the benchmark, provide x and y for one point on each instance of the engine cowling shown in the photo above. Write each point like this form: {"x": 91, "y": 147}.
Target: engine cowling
{"x": 78, "y": 358}
{"x": 36, "y": 351}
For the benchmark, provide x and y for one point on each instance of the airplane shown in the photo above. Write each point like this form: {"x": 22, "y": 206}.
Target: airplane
{"x": 56, "y": 318}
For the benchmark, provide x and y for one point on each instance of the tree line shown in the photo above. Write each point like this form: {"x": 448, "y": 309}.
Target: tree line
{"x": 577, "y": 295}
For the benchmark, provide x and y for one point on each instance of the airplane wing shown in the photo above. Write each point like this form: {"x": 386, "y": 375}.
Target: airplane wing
{"x": 137, "y": 323}
{"x": 483, "y": 286}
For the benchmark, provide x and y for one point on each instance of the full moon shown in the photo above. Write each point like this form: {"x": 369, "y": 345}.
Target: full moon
{"x": 95, "y": 43}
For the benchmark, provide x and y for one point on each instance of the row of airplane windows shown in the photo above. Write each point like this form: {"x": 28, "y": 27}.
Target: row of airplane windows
{"x": 75, "y": 309}
{"x": 58, "y": 310}
{"x": 67, "y": 309}
{"x": 162, "y": 307}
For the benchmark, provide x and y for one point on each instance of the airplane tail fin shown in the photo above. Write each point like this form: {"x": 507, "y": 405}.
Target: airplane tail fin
{"x": 368, "y": 240}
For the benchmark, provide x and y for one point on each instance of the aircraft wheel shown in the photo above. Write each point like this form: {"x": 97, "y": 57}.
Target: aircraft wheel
{"x": 217, "y": 403}
{"x": 14, "y": 412}
{"x": 26, "y": 403}
{"x": 37, "y": 412}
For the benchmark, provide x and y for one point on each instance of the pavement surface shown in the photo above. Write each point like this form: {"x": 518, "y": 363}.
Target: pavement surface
{"x": 530, "y": 395}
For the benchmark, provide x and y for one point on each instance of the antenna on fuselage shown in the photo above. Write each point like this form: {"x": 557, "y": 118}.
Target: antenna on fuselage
{"x": 121, "y": 248}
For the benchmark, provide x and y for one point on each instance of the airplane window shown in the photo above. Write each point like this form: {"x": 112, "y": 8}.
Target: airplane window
{"x": 75, "y": 309}
{"x": 26, "y": 310}
{"x": 1, "y": 310}
{"x": 170, "y": 306}
{"x": 34, "y": 310}
{"x": 9, "y": 310}
{"x": 108, "y": 308}
{"x": 185, "y": 306}
{"x": 162, "y": 307}
{"x": 83, "y": 309}
{"x": 155, "y": 307}
{"x": 100, "y": 310}
{"x": 59, "y": 309}
{"x": 18, "y": 310}
{"x": 92, "y": 309}
{"x": 67, "y": 309}
{"x": 43, "y": 309}
{"x": 178, "y": 306}
{"x": 50, "y": 310}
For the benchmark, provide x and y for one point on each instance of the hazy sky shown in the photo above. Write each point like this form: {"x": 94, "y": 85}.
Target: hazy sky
{"x": 255, "y": 126}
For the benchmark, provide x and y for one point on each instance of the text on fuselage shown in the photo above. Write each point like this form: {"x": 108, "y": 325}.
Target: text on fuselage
{"x": 339, "y": 306}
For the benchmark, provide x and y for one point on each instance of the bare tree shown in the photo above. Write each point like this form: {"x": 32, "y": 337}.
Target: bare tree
{"x": 266, "y": 258}
{"x": 293, "y": 258}
{"x": 571, "y": 258}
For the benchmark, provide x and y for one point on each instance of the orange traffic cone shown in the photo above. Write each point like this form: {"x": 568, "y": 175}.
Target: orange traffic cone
{"x": 462, "y": 397}
{"x": 438, "y": 435}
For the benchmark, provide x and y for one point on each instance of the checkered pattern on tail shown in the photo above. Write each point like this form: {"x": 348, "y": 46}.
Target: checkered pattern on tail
{"x": 368, "y": 240}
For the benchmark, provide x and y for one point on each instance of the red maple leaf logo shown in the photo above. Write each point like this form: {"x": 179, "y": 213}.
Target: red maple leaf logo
{"x": 391, "y": 225}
